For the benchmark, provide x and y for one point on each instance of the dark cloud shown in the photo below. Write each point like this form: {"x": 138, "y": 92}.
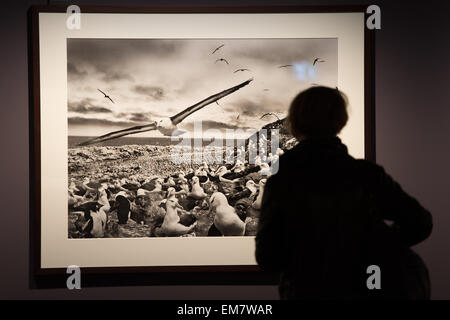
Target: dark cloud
{"x": 99, "y": 122}
{"x": 282, "y": 51}
{"x": 157, "y": 93}
{"x": 110, "y": 56}
{"x": 137, "y": 116}
{"x": 74, "y": 73}
{"x": 108, "y": 50}
{"x": 85, "y": 106}
{"x": 140, "y": 117}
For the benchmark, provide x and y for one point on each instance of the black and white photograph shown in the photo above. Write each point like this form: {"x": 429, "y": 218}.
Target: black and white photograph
{"x": 157, "y": 135}
{"x": 177, "y": 137}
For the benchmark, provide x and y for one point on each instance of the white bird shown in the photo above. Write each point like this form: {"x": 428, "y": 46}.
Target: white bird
{"x": 251, "y": 185}
{"x": 171, "y": 225}
{"x": 265, "y": 170}
{"x": 167, "y": 126}
{"x": 226, "y": 219}
{"x": 258, "y": 160}
{"x": 99, "y": 219}
{"x": 197, "y": 191}
{"x": 280, "y": 152}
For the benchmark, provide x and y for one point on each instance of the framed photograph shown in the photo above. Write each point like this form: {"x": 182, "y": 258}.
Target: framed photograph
{"x": 154, "y": 129}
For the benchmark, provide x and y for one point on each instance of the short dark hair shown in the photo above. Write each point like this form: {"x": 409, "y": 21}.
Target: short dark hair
{"x": 318, "y": 112}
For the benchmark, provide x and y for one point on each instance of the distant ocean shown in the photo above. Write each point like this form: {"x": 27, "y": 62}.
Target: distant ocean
{"x": 153, "y": 141}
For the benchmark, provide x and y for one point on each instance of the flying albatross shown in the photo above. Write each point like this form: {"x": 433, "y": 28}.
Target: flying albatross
{"x": 241, "y": 70}
{"x": 106, "y": 96}
{"x": 217, "y": 49}
{"x": 269, "y": 114}
{"x": 222, "y": 59}
{"x": 285, "y": 66}
{"x": 316, "y": 60}
{"x": 167, "y": 126}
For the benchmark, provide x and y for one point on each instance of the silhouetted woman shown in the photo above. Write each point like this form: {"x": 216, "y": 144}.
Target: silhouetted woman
{"x": 326, "y": 217}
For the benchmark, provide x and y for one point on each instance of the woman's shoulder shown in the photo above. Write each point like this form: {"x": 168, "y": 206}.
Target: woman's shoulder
{"x": 370, "y": 172}
{"x": 368, "y": 166}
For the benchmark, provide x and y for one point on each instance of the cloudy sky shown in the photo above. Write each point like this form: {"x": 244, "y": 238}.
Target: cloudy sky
{"x": 149, "y": 79}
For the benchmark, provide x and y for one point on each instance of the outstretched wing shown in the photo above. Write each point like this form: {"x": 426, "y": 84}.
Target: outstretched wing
{"x": 316, "y": 60}
{"x": 120, "y": 133}
{"x": 102, "y": 92}
{"x": 238, "y": 70}
{"x": 176, "y": 119}
{"x": 110, "y": 99}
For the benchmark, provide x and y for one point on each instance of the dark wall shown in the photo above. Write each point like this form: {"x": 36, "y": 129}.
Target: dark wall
{"x": 413, "y": 140}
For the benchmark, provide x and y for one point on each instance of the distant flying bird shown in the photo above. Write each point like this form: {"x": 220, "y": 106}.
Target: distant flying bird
{"x": 217, "y": 49}
{"x": 269, "y": 114}
{"x": 167, "y": 126}
{"x": 240, "y": 70}
{"x": 316, "y": 60}
{"x": 285, "y": 66}
{"x": 266, "y": 89}
{"x": 237, "y": 118}
{"x": 221, "y": 59}
{"x": 106, "y": 96}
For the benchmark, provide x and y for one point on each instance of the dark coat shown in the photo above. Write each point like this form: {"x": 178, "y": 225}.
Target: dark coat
{"x": 323, "y": 222}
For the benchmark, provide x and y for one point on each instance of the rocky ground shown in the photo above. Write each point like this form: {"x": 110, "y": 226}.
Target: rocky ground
{"x": 106, "y": 164}
{"x": 109, "y": 163}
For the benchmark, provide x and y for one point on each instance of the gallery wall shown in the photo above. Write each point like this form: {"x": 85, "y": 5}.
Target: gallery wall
{"x": 412, "y": 140}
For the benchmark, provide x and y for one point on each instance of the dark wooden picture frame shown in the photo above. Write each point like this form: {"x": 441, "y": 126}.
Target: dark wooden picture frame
{"x": 199, "y": 275}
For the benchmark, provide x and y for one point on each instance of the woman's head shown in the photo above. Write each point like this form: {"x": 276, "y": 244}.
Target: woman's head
{"x": 318, "y": 112}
